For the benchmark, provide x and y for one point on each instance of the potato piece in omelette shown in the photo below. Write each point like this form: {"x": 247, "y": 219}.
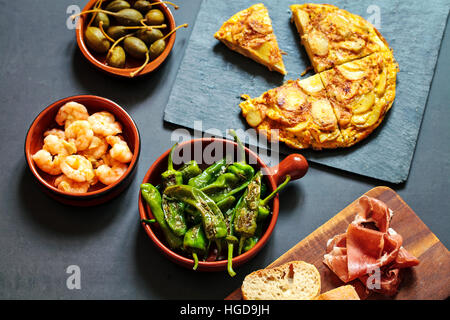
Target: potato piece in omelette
{"x": 361, "y": 93}
{"x": 333, "y": 36}
{"x": 297, "y": 113}
{"x": 250, "y": 33}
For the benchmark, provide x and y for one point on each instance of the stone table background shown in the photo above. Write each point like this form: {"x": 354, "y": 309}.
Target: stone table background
{"x": 40, "y": 238}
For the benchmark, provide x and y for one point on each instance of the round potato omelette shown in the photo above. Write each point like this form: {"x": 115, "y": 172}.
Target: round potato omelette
{"x": 345, "y": 101}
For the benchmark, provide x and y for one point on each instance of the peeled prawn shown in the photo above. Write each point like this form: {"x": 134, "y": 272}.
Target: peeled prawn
{"x": 120, "y": 150}
{"x": 80, "y": 132}
{"x": 56, "y": 132}
{"x": 108, "y": 175}
{"x": 78, "y": 168}
{"x": 71, "y": 112}
{"x": 96, "y": 149}
{"x": 47, "y": 163}
{"x": 104, "y": 124}
{"x": 58, "y": 146}
{"x": 66, "y": 184}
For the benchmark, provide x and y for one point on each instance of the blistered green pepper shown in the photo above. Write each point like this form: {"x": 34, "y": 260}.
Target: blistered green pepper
{"x": 195, "y": 217}
{"x": 245, "y": 222}
{"x": 190, "y": 170}
{"x": 242, "y": 172}
{"x": 253, "y": 240}
{"x": 153, "y": 198}
{"x": 231, "y": 239}
{"x": 226, "y": 204}
{"x": 223, "y": 185}
{"x": 173, "y": 210}
{"x": 196, "y": 243}
{"x": 263, "y": 209}
{"x": 264, "y": 189}
{"x": 171, "y": 176}
{"x": 212, "y": 218}
{"x": 209, "y": 175}
{"x": 241, "y": 168}
{"x": 263, "y": 213}
{"x": 174, "y": 215}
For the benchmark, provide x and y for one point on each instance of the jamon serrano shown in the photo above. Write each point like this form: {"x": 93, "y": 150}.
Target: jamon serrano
{"x": 370, "y": 247}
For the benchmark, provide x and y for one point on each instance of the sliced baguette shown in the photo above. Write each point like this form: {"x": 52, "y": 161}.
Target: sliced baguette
{"x": 341, "y": 293}
{"x": 296, "y": 280}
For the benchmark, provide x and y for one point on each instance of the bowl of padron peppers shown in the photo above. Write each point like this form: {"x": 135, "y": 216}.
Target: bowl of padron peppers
{"x": 211, "y": 204}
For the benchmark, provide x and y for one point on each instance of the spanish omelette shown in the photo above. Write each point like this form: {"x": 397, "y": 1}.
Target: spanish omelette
{"x": 297, "y": 113}
{"x": 345, "y": 101}
{"x": 361, "y": 93}
{"x": 332, "y": 36}
{"x": 250, "y": 33}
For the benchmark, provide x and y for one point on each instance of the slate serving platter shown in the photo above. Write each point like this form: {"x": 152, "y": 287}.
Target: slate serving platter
{"x": 212, "y": 78}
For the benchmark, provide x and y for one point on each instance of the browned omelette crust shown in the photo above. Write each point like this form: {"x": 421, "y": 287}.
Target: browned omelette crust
{"x": 250, "y": 33}
{"x": 333, "y": 36}
{"x": 361, "y": 93}
{"x": 297, "y": 113}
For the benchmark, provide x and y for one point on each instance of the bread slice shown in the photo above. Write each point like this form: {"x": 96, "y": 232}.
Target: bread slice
{"x": 296, "y": 280}
{"x": 341, "y": 293}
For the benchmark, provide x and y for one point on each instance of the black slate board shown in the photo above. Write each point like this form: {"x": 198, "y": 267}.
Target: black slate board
{"x": 211, "y": 79}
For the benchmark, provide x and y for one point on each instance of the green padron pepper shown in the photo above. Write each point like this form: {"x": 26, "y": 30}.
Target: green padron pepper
{"x": 263, "y": 209}
{"x": 195, "y": 217}
{"x": 174, "y": 215}
{"x": 209, "y": 175}
{"x": 263, "y": 213}
{"x": 245, "y": 222}
{"x": 231, "y": 239}
{"x": 212, "y": 218}
{"x": 190, "y": 170}
{"x": 241, "y": 168}
{"x": 224, "y": 184}
{"x": 226, "y": 204}
{"x": 173, "y": 210}
{"x": 171, "y": 176}
{"x": 195, "y": 242}
{"x": 153, "y": 198}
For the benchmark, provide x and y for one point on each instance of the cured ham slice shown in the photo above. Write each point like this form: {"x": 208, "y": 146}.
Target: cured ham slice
{"x": 364, "y": 249}
{"x": 370, "y": 250}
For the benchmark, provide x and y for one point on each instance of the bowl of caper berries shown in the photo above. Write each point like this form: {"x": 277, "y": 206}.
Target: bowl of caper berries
{"x": 126, "y": 38}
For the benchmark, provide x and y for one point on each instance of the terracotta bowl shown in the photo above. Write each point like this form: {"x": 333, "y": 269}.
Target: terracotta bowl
{"x": 98, "y": 60}
{"x": 294, "y": 165}
{"x": 100, "y": 193}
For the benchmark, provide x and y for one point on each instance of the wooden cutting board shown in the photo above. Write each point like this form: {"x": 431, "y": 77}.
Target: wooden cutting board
{"x": 429, "y": 280}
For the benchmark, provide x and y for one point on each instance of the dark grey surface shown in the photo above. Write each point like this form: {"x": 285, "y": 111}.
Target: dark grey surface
{"x": 212, "y": 77}
{"x": 40, "y": 238}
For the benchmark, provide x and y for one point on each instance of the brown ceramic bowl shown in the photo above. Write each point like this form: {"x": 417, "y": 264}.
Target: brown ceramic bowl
{"x": 98, "y": 60}
{"x": 294, "y": 165}
{"x": 100, "y": 193}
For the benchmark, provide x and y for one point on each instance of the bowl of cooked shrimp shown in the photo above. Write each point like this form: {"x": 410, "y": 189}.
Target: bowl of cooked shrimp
{"x": 83, "y": 150}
